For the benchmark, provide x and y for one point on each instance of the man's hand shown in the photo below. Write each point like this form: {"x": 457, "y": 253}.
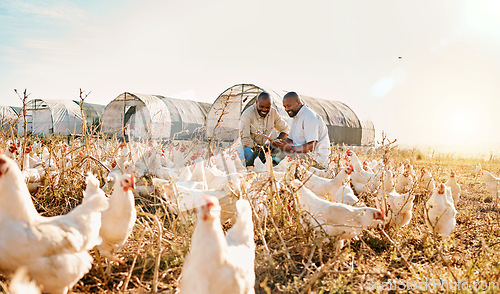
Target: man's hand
{"x": 289, "y": 147}
{"x": 278, "y": 143}
{"x": 284, "y": 145}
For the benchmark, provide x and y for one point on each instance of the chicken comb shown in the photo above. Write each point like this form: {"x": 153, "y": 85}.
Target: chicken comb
{"x": 132, "y": 177}
{"x": 441, "y": 189}
{"x": 210, "y": 203}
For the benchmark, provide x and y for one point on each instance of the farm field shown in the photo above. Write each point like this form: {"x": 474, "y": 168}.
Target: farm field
{"x": 291, "y": 257}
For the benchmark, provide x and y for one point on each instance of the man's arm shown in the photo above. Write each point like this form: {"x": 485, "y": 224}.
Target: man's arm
{"x": 307, "y": 147}
{"x": 246, "y": 139}
{"x": 282, "y": 136}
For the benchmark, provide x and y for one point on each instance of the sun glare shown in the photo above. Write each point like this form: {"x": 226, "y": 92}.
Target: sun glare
{"x": 462, "y": 126}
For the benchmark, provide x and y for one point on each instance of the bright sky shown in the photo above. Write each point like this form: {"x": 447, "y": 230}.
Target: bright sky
{"x": 444, "y": 90}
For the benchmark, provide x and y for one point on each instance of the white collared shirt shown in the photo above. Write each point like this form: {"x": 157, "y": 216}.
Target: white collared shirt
{"x": 308, "y": 126}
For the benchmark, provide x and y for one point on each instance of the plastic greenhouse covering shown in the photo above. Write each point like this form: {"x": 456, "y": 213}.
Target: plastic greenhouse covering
{"x": 59, "y": 117}
{"x": 93, "y": 114}
{"x": 153, "y": 116}
{"x": 7, "y": 116}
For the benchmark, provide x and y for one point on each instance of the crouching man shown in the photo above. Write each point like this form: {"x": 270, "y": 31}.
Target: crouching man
{"x": 257, "y": 122}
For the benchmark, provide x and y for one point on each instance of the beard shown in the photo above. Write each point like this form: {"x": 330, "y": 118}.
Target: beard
{"x": 292, "y": 113}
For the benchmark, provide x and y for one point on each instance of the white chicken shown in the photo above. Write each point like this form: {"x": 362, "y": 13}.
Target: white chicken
{"x": 375, "y": 165}
{"x": 198, "y": 173}
{"x": 235, "y": 160}
{"x": 283, "y": 164}
{"x": 119, "y": 219}
{"x": 345, "y": 195}
{"x": 259, "y": 166}
{"x": 29, "y": 161}
{"x": 224, "y": 163}
{"x": 33, "y": 171}
{"x": 367, "y": 167}
{"x": 404, "y": 182}
{"x": 365, "y": 182}
{"x": 325, "y": 173}
{"x": 45, "y": 155}
{"x": 387, "y": 180}
{"x": 327, "y": 187}
{"x": 426, "y": 181}
{"x": 353, "y": 158}
{"x": 455, "y": 187}
{"x": 123, "y": 156}
{"x": 178, "y": 155}
{"x": 399, "y": 207}
{"x": 188, "y": 196}
{"x": 232, "y": 180}
{"x": 441, "y": 211}
{"x": 54, "y": 249}
{"x": 12, "y": 151}
{"x": 492, "y": 184}
{"x": 167, "y": 186}
{"x": 185, "y": 174}
{"x": 336, "y": 219}
{"x": 21, "y": 284}
{"x": 127, "y": 167}
{"x": 218, "y": 264}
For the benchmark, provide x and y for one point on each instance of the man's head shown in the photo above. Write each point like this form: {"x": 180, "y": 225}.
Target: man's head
{"x": 263, "y": 104}
{"x": 292, "y": 103}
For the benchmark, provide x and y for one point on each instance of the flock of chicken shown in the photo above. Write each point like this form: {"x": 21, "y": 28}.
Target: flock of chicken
{"x": 54, "y": 251}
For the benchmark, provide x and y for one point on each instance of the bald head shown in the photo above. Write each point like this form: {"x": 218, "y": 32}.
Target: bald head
{"x": 264, "y": 96}
{"x": 292, "y": 96}
{"x": 292, "y": 103}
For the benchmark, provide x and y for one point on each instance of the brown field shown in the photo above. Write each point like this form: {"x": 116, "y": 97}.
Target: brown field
{"x": 291, "y": 258}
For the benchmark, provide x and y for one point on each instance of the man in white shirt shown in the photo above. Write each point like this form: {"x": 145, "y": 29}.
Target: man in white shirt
{"x": 308, "y": 131}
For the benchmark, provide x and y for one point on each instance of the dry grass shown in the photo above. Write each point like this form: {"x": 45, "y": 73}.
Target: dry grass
{"x": 291, "y": 258}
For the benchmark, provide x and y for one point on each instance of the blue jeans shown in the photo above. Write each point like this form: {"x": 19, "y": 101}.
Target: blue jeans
{"x": 250, "y": 154}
